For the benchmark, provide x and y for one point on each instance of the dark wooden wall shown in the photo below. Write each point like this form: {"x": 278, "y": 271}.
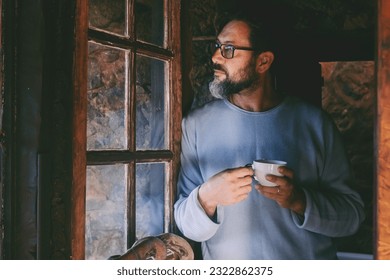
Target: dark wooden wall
{"x": 38, "y": 43}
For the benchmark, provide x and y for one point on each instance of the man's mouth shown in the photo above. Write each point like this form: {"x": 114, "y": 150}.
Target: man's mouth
{"x": 216, "y": 71}
{"x": 219, "y": 72}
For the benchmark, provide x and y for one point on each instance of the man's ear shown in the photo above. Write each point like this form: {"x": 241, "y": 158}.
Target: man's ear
{"x": 264, "y": 61}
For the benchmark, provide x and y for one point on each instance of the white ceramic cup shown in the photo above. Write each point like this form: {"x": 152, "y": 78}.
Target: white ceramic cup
{"x": 263, "y": 167}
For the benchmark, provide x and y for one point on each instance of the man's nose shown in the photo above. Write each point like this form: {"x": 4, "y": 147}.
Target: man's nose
{"x": 217, "y": 56}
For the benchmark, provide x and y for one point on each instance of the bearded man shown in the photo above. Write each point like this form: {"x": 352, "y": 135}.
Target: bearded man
{"x": 220, "y": 204}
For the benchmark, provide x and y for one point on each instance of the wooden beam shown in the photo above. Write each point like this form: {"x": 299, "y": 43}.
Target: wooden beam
{"x": 382, "y": 248}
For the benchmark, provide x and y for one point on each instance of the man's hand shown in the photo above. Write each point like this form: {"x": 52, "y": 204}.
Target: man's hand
{"x": 225, "y": 188}
{"x": 285, "y": 194}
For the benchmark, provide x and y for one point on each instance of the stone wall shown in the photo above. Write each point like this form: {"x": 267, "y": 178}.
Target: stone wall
{"x": 349, "y": 96}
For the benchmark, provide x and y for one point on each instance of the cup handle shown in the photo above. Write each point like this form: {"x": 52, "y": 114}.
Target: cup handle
{"x": 251, "y": 165}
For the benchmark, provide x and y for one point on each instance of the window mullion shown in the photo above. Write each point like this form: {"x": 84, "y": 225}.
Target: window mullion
{"x": 131, "y": 207}
{"x": 131, "y": 142}
{"x": 130, "y": 32}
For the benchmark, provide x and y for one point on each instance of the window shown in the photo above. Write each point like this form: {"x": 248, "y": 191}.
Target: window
{"x": 132, "y": 119}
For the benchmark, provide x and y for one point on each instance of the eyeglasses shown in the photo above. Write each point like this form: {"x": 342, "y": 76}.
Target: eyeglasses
{"x": 227, "y": 50}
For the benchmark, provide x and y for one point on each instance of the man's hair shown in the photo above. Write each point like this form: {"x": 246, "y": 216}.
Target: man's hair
{"x": 260, "y": 34}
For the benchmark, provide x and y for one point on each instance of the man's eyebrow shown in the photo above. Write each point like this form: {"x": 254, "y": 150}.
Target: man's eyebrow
{"x": 226, "y": 42}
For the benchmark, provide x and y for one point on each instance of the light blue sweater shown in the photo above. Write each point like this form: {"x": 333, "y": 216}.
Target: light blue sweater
{"x": 220, "y": 135}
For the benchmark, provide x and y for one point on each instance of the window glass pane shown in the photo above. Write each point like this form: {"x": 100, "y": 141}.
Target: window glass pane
{"x": 150, "y": 113}
{"x": 150, "y": 199}
{"x": 107, "y": 81}
{"x": 150, "y": 21}
{"x": 108, "y": 15}
{"x": 106, "y": 204}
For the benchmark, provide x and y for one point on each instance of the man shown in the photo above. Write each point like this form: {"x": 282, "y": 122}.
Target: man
{"x": 219, "y": 203}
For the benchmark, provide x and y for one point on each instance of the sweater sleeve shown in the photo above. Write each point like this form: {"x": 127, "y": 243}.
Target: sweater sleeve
{"x": 333, "y": 208}
{"x": 190, "y": 217}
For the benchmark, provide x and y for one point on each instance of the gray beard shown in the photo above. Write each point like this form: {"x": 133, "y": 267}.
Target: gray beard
{"x": 217, "y": 89}
{"x": 226, "y": 88}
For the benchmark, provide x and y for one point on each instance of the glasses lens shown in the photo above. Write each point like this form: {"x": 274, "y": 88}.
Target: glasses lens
{"x": 227, "y": 51}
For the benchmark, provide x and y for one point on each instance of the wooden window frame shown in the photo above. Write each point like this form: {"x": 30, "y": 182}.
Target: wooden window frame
{"x": 382, "y": 141}
{"x": 81, "y": 157}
